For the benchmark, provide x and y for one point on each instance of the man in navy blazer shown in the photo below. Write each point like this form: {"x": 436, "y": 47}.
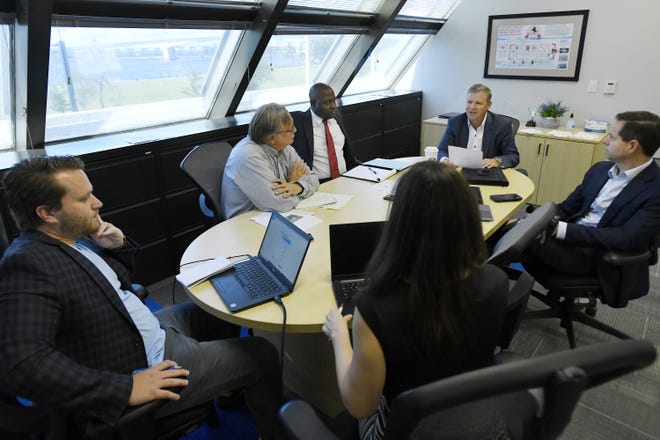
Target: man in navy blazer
{"x": 616, "y": 207}
{"x": 73, "y": 336}
{"x": 481, "y": 129}
{"x": 310, "y": 140}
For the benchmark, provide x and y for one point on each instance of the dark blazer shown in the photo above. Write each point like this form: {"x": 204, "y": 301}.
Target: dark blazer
{"x": 498, "y": 141}
{"x": 630, "y": 222}
{"x": 303, "y": 141}
{"x": 65, "y": 336}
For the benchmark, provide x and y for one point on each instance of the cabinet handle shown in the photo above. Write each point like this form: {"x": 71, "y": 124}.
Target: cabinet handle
{"x": 538, "y": 151}
{"x": 547, "y": 146}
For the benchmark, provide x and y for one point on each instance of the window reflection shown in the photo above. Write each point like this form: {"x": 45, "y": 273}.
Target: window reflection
{"x": 387, "y": 63}
{"x": 105, "y": 80}
{"x": 291, "y": 64}
{"x": 6, "y": 70}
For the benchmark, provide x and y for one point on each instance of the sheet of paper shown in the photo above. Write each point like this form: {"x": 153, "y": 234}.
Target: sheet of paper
{"x": 203, "y": 271}
{"x": 340, "y": 201}
{"x": 304, "y": 220}
{"x": 316, "y": 200}
{"x": 560, "y": 133}
{"x": 586, "y": 136}
{"x": 530, "y": 130}
{"x": 465, "y": 157}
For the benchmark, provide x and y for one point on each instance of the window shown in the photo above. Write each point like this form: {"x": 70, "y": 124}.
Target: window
{"x": 6, "y": 101}
{"x": 387, "y": 62}
{"x": 291, "y": 64}
{"x": 104, "y": 80}
{"x": 368, "y": 6}
{"x": 430, "y": 9}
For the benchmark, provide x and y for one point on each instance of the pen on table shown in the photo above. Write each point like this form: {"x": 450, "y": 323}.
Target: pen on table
{"x": 373, "y": 171}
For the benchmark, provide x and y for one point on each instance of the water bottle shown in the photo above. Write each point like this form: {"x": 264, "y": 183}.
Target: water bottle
{"x": 570, "y": 124}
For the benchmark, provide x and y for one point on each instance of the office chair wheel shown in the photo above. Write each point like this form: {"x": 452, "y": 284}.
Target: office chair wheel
{"x": 591, "y": 307}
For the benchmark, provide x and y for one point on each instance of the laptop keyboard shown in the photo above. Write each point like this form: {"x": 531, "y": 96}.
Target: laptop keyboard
{"x": 257, "y": 282}
{"x": 349, "y": 288}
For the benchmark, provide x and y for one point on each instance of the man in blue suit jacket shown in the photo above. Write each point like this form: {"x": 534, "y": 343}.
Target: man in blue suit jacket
{"x": 481, "y": 129}
{"x": 310, "y": 140}
{"x": 616, "y": 207}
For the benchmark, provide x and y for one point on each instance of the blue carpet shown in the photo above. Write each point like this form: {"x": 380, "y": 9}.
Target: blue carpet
{"x": 234, "y": 424}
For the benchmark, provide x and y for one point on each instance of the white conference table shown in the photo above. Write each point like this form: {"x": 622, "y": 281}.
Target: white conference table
{"x": 312, "y": 297}
{"x": 309, "y": 361}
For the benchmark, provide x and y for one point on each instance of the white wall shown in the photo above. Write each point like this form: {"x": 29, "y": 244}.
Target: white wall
{"x": 622, "y": 43}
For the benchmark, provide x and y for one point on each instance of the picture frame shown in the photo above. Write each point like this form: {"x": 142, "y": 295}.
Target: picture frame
{"x": 537, "y": 46}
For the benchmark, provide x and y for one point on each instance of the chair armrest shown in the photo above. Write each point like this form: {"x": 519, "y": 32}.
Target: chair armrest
{"x": 626, "y": 258}
{"x": 300, "y": 421}
{"x": 140, "y": 291}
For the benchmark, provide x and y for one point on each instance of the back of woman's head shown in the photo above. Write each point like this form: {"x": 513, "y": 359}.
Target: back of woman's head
{"x": 432, "y": 241}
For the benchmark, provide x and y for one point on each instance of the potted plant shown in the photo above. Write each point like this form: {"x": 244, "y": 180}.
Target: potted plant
{"x": 550, "y": 112}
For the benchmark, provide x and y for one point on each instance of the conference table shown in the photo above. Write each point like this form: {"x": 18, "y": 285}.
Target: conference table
{"x": 308, "y": 358}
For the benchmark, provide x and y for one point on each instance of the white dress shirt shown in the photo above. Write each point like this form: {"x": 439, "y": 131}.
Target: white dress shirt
{"x": 321, "y": 165}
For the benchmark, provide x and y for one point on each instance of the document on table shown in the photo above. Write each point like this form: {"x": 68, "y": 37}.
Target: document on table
{"x": 203, "y": 271}
{"x": 303, "y": 220}
{"x": 465, "y": 157}
{"x": 316, "y": 200}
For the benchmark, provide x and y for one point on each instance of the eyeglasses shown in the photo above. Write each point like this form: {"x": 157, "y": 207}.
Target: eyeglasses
{"x": 292, "y": 130}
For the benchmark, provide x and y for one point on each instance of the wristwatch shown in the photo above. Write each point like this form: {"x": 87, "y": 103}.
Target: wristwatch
{"x": 498, "y": 160}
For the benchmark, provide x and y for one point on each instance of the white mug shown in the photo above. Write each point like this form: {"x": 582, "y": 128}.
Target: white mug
{"x": 431, "y": 153}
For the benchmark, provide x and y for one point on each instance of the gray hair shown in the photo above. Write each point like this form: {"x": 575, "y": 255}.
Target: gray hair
{"x": 476, "y": 88}
{"x": 268, "y": 119}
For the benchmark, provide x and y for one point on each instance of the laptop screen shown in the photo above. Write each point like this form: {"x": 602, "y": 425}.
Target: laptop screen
{"x": 351, "y": 247}
{"x": 283, "y": 248}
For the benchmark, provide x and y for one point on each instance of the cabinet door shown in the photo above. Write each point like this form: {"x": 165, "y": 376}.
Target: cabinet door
{"x": 564, "y": 165}
{"x": 531, "y": 150}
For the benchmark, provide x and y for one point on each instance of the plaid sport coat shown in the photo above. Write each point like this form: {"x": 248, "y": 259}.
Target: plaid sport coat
{"x": 66, "y": 339}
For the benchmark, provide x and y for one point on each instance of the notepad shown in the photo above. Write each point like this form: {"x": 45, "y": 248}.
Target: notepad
{"x": 372, "y": 174}
{"x": 203, "y": 271}
{"x": 388, "y": 164}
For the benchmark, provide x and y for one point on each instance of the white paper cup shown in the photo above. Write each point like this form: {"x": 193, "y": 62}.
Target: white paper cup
{"x": 431, "y": 153}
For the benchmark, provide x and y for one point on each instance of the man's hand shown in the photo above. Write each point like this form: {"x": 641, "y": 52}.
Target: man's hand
{"x": 108, "y": 236}
{"x": 150, "y": 384}
{"x": 286, "y": 189}
{"x": 490, "y": 163}
{"x": 298, "y": 170}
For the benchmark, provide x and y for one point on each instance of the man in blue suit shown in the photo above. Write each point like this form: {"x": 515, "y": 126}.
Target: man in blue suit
{"x": 481, "y": 129}
{"x": 321, "y": 139}
{"x": 616, "y": 207}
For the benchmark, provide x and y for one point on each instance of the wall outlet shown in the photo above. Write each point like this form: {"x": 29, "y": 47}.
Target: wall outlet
{"x": 610, "y": 87}
{"x": 593, "y": 86}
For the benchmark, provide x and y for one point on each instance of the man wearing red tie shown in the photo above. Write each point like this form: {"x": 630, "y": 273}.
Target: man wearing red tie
{"x": 321, "y": 139}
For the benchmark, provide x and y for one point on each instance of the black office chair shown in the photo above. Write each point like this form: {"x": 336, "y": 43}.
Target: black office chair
{"x": 514, "y": 123}
{"x": 565, "y": 290}
{"x": 205, "y": 165}
{"x": 507, "y": 250}
{"x": 525, "y": 399}
{"x": 137, "y": 423}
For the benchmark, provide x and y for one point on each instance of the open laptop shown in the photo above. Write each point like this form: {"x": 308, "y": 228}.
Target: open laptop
{"x": 273, "y": 272}
{"x": 351, "y": 247}
{"x": 484, "y": 210}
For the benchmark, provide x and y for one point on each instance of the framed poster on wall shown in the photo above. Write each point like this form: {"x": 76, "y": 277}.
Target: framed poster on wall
{"x": 542, "y": 45}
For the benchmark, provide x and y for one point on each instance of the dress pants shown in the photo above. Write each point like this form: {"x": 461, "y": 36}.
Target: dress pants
{"x": 220, "y": 361}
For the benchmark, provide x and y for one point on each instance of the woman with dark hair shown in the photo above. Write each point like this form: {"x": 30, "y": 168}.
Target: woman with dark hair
{"x": 432, "y": 308}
